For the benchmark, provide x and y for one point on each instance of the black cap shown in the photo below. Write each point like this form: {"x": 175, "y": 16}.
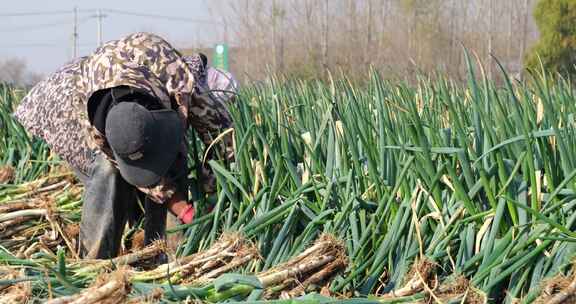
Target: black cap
{"x": 145, "y": 143}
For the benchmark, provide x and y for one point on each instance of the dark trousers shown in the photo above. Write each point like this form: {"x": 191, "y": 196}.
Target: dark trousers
{"x": 109, "y": 203}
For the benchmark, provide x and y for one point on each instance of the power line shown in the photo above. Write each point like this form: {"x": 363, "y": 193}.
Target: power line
{"x": 113, "y": 11}
{"x": 57, "y": 44}
{"x": 42, "y": 25}
{"x": 165, "y": 17}
{"x": 35, "y": 26}
{"x": 37, "y": 13}
{"x": 45, "y": 13}
{"x": 30, "y": 45}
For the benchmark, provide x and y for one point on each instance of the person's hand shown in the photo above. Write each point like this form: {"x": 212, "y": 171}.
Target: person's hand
{"x": 180, "y": 207}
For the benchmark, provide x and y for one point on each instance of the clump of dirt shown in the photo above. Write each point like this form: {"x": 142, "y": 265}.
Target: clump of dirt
{"x": 137, "y": 240}
{"x": 72, "y": 230}
{"x": 422, "y": 275}
{"x": 453, "y": 287}
{"x": 475, "y": 296}
{"x": 459, "y": 288}
{"x": 6, "y": 174}
{"x": 18, "y": 292}
{"x": 423, "y": 269}
{"x": 559, "y": 289}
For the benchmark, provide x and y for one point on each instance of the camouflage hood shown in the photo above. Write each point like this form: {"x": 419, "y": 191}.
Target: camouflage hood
{"x": 143, "y": 61}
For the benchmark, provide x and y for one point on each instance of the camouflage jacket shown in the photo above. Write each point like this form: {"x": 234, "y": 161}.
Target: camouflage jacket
{"x": 56, "y": 108}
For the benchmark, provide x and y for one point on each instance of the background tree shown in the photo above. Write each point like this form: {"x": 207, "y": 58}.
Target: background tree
{"x": 14, "y": 71}
{"x": 304, "y": 38}
{"x": 556, "y": 20}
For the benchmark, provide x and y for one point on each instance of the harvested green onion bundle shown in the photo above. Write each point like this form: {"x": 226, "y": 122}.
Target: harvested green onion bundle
{"x": 203, "y": 271}
{"x": 40, "y": 215}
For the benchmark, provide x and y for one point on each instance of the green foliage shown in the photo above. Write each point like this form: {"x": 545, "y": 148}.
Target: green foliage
{"x": 556, "y": 20}
{"x": 28, "y": 155}
{"x": 476, "y": 179}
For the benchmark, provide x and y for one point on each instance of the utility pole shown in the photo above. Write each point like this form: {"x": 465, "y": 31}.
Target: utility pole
{"x": 451, "y": 49}
{"x": 225, "y": 34}
{"x": 75, "y": 34}
{"x": 281, "y": 13}
{"x": 99, "y": 17}
{"x": 325, "y": 30}
{"x": 367, "y": 48}
{"x": 274, "y": 36}
{"x": 490, "y": 37}
{"x": 526, "y": 13}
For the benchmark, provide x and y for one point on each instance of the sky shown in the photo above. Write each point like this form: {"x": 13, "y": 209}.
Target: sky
{"x": 43, "y": 38}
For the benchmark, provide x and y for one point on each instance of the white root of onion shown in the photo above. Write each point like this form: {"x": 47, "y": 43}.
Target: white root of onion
{"x": 23, "y": 213}
{"x": 281, "y": 275}
{"x": 564, "y": 294}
